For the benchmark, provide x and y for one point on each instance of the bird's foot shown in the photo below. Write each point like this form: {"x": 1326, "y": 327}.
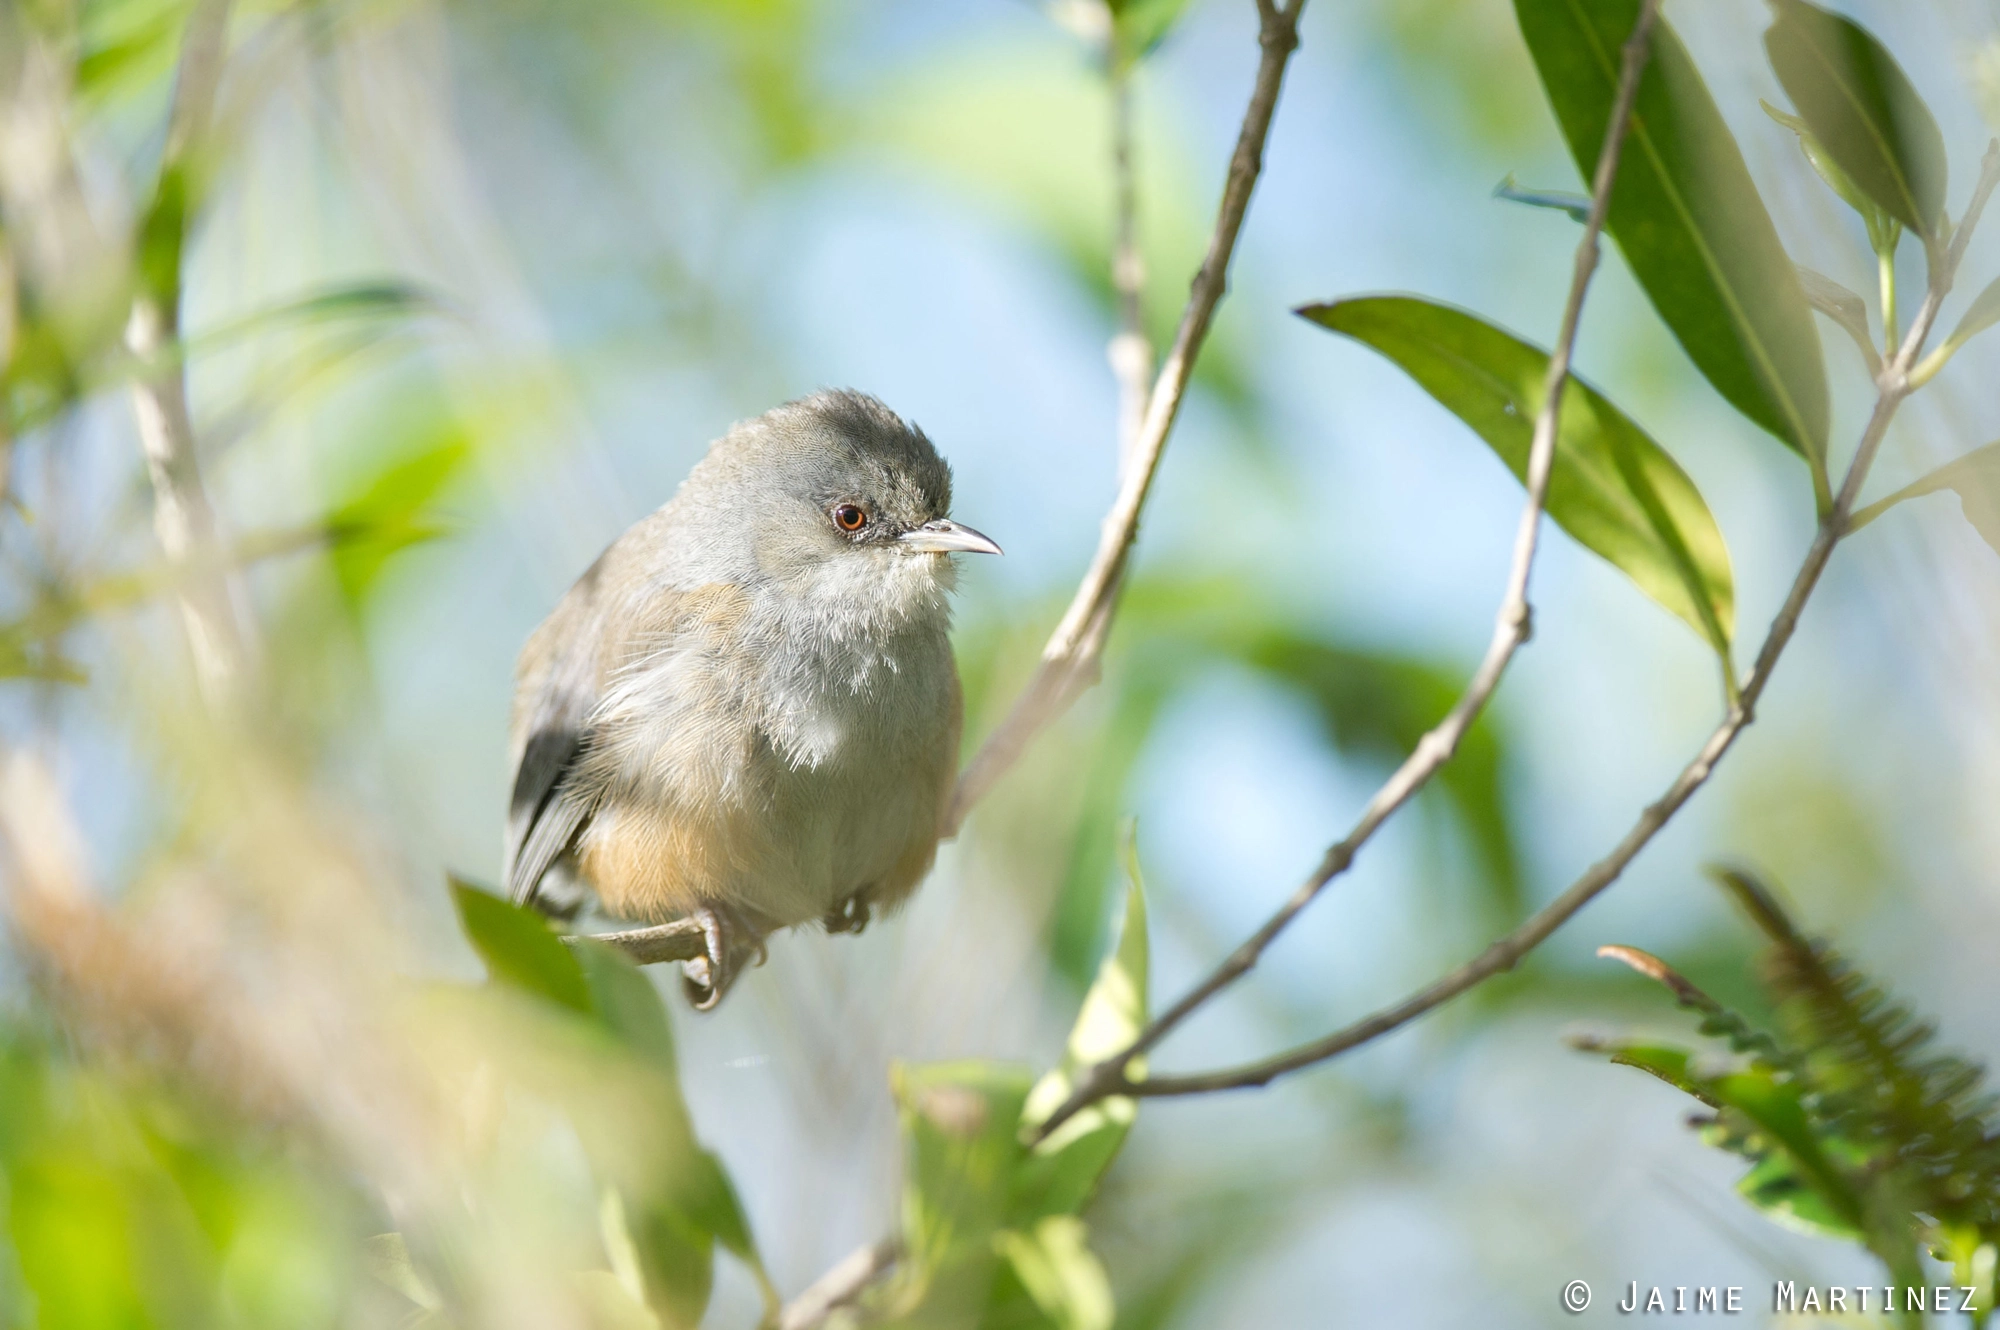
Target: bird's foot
{"x": 729, "y": 941}
{"x": 850, "y": 916}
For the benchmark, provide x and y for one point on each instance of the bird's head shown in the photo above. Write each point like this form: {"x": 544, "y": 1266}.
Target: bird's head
{"x": 841, "y": 497}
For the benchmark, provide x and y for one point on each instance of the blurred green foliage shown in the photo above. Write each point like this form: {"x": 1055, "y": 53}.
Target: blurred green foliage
{"x": 135, "y": 1194}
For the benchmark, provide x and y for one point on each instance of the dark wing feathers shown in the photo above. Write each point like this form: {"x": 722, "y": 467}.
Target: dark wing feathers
{"x": 547, "y": 811}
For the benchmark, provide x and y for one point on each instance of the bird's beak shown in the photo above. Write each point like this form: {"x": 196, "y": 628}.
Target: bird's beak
{"x": 945, "y": 537}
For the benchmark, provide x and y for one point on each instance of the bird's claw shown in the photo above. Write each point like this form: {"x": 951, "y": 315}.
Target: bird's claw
{"x": 727, "y": 938}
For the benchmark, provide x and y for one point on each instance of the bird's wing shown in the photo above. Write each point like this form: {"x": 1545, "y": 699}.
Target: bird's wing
{"x": 547, "y": 811}
{"x": 556, "y": 690}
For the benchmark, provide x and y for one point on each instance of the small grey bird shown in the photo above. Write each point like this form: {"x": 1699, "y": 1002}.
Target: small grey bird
{"x": 746, "y": 712}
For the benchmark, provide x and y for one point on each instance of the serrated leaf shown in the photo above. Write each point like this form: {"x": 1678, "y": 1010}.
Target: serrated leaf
{"x": 1773, "y": 1106}
{"x": 518, "y": 948}
{"x": 1061, "y": 1172}
{"x": 1776, "y": 1185}
{"x": 1687, "y": 216}
{"x": 1613, "y": 489}
{"x": 1863, "y": 109}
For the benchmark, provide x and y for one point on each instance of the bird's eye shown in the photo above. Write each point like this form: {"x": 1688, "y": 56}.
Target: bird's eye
{"x": 849, "y": 518}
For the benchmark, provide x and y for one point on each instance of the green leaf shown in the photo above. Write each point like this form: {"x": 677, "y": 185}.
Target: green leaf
{"x": 1687, "y": 216}
{"x": 1975, "y": 478}
{"x": 1881, "y": 232}
{"x": 1665, "y": 1062}
{"x": 1612, "y": 488}
{"x": 1061, "y": 1172}
{"x": 960, "y": 1129}
{"x": 692, "y": 1201}
{"x": 1863, "y": 109}
{"x": 1836, "y": 302}
{"x": 1761, "y": 1116}
{"x": 1777, "y": 1186}
{"x": 1054, "y": 1266}
{"x": 384, "y": 298}
{"x": 1137, "y": 26}
{"x": 518, "y": 948}
{"x": 1773, "y": 1106}
{"x": 390, "y": 512}
{"x": 1981, "y": 314}
{"x": 626, "y": 1002}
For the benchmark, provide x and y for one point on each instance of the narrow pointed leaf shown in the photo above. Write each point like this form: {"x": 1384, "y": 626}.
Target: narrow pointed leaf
{"x": 1837, "y": 180}
{"x": 1061, "y": 1173}
{"x": 1863, "y": 110}
{"x": 1687, "y": 216}
{"x": 1982, "y": 314}
{"x": 1975, "y": 478}
{"x": 1613, "y": 489}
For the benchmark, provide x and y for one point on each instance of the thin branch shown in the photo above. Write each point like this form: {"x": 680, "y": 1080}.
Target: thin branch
{"x": 1069, "y": 660}
{"x": 841, "y": 1285}
{"x": 183, "y": 517}
{"x": 1504, "y": 954}
{"x": 1130, "y": 354}
{"x": 1511, "y": 628}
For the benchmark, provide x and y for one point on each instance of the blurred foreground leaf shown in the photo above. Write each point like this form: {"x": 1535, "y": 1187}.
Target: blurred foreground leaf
{"x": 1863, "y": 110}
{"x": 519, "y": 949}
{"x": 671, "y": 1200}
{"x": 391, "y": 511}
{"x": 1613, "y": 489}
{"x": 990, "y": 1234}
{"x": 1687, "y": 216}
{"x": 128, "y": 1202}
{"x": 1137, "y": 26}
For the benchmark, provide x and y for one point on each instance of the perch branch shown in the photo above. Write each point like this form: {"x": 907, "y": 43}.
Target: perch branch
{"x": 1893, "y": 386}
{"x": 1512, "y": 627}
{"x": 681, "y": 940}
{"x": 1145, "y": 419}
{"x": 183, "y": 517}
{"x": 1069, "y": 660}
{"x": 840, "y": 1285}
